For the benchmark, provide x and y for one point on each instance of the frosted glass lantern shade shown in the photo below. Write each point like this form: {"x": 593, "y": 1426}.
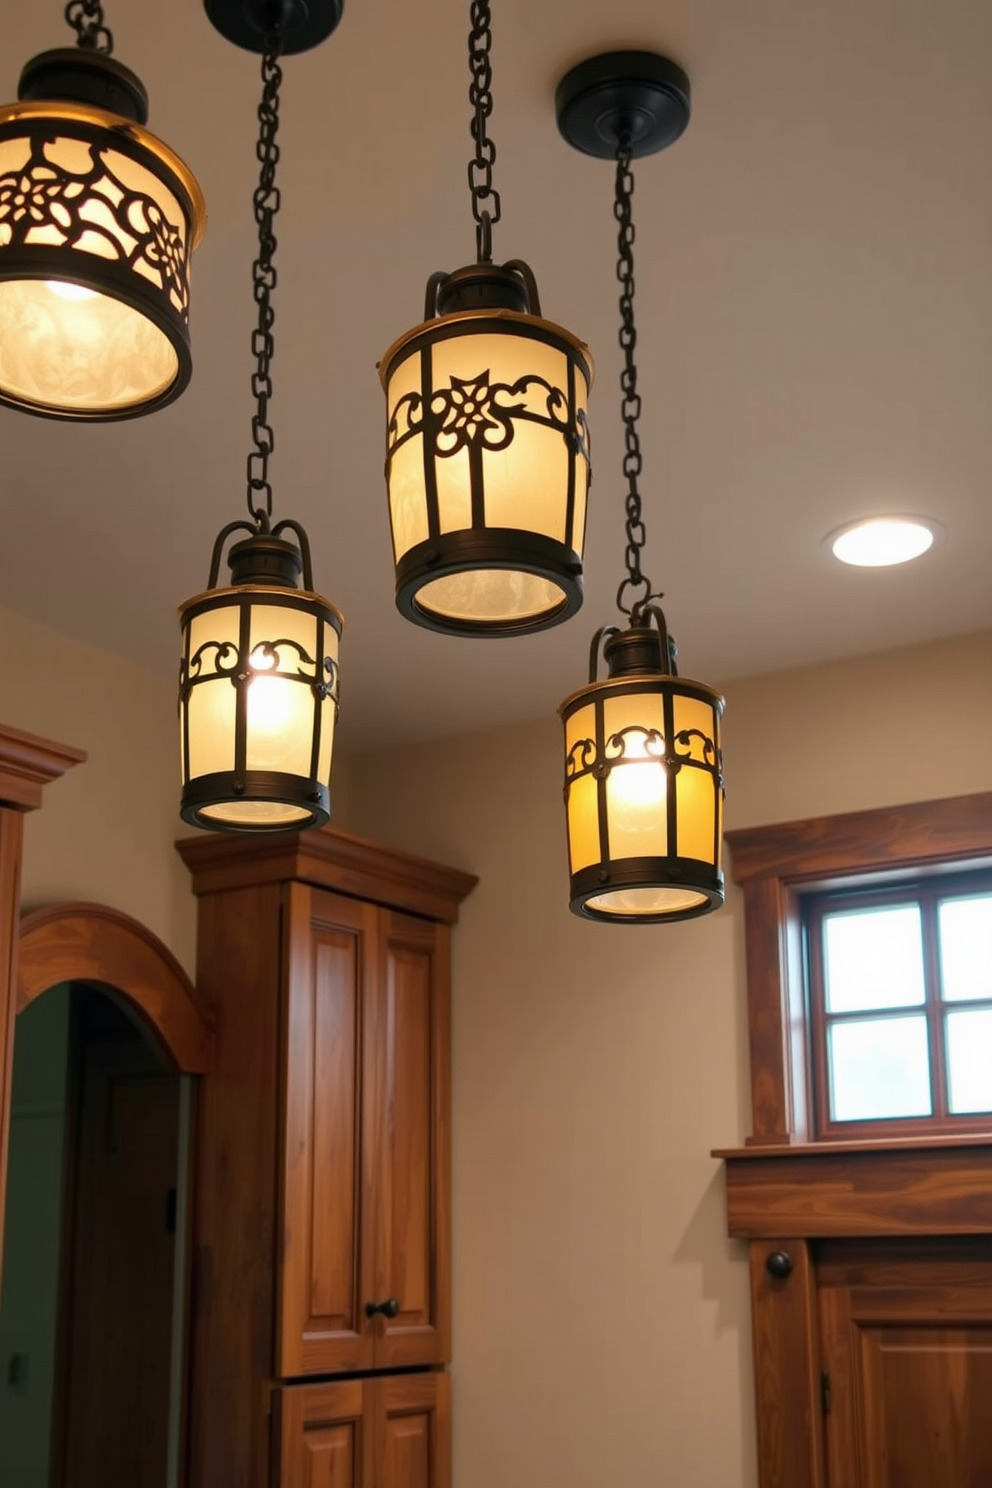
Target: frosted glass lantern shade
{"x": 487, "y": 466}
{"x": 644, "y": 799}
{"x": 98, "y": 220}
{"x": 258, "y": 703}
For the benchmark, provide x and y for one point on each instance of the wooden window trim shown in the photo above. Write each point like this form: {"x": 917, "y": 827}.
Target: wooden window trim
{"x": 774, "y": 866}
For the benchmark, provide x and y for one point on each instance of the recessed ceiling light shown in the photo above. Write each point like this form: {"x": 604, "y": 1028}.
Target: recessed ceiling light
{"x": 881, "y": 542}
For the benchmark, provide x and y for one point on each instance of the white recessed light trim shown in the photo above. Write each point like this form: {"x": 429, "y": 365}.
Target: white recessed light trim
{"x": 882, "y": 542}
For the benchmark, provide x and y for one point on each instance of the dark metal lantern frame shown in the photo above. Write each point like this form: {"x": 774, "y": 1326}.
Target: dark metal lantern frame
{"x": 643, "y": 718}
{"x": 481, "y": 416}
{"x": 266, "y": 566}
{"x": 528, "y": 572}
{"x": 86, "y": 98}
{"x": 264, "y": 569}
{"x": 635, "y": 658}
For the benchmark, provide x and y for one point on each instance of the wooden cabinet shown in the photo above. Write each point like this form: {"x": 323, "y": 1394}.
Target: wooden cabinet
{"x": 365, "y": 1212}
{"x": 322, "y": 1214}
{"x": 871, "y": 1305}
{"x": 390, "y": 1432}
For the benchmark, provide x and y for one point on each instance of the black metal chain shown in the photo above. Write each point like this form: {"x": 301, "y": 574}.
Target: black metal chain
{"x": 485, "y": 200}
{"x": 630, "y": 404}
{"x": 266, "y": 204}
{"x": 86, "y": 19}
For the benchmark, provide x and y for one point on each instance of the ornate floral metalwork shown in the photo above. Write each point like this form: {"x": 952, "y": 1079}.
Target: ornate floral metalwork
{"x": 43, "y": 195}
{"x": 474, "y": 411}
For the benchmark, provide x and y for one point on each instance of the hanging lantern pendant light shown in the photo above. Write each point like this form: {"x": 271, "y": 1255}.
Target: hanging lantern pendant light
{"x": 487, "y": 445}
{"x": 98, "y": 220}
{"x": 258, "y": 694}
{"x": 643, "y": 764}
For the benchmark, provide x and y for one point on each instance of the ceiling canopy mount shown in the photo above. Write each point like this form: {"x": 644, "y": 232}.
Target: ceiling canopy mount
{"x": 300, "y": 24}
{"x": 640, "y": 96}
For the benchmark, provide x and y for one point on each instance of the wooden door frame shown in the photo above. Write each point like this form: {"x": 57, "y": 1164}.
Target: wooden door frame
{"x": 103, "y": 947}
{"x": 76, "y": 942}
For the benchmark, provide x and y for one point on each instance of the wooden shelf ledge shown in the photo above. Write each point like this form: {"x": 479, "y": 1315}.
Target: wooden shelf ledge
{"x": 912, "y": 1186}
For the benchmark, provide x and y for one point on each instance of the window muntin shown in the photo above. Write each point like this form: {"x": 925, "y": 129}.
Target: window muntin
{"x": 900, "y": 991}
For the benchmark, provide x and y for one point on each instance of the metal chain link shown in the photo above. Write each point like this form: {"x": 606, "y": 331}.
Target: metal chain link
{"x": 266, "y": 203}
{"x": 86, "y": 19}
{"x": 485, "y": 200}
{"x": 630, "y": 405}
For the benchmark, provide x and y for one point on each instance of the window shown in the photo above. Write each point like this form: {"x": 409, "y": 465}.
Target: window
{"x": 914, "y": 884}
{"x": 900, "y": 991}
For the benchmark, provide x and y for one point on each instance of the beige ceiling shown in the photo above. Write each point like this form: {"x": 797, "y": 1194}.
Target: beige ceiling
{"x": 814, "y": 281}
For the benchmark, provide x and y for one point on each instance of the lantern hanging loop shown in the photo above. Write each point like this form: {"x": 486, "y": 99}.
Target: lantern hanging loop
{"x": 266, "y": 202}
{"x": 485, "y": 199}
{"x": 86, "y": 19}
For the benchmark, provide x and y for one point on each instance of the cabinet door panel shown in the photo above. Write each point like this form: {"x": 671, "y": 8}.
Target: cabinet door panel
{"x": 409, "y": 1114}
{"x": 325, "y": 1270}
{"x": 412, "y": 1431}
{"x": 907, "y": 1344}
{"x": 322, "y": 1437}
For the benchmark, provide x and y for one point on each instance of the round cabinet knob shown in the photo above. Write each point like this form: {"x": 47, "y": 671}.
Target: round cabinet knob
{"x": 778, "y": 1263}
{"x": 390, "y": 1308}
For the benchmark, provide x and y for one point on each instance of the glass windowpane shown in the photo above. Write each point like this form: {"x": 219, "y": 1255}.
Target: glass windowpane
{"x": 879, "y": 1068}
{"x": 966, "y": 948}
{"x": 873, "y": 958}
{"x": 969, "y": 1061}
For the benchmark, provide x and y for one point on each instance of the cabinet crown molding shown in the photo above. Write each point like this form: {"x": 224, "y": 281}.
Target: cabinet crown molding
{"x": 331, "y": 859}
{"x": 28, "y": 763}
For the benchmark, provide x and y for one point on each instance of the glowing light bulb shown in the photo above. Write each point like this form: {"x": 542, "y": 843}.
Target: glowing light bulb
{"x": 638, "y": 791}
{"x": 271, "y": 712}
{"x": 67, "y": 291}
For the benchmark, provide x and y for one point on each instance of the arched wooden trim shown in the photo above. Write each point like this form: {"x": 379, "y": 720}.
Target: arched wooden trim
{"x": 92, "y": 943}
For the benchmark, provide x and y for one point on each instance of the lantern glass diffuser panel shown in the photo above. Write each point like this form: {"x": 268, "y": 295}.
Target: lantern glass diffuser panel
{"x": 98, "y": 220}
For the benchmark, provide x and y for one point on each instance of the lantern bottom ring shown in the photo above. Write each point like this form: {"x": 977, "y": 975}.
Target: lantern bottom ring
{"x": 255, "y": 801}
{"x": 635, "y": 891}
{"x": 542, "y": 587}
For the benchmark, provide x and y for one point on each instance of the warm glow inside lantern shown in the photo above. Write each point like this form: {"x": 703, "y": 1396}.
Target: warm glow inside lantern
{"x": 487, "y": 464}
{"x": 643, "y": 789}
{"x": 258, "y": 703}
{"x": 98, "y": 220}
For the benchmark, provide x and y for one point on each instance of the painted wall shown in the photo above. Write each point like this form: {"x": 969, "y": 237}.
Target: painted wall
{"x": 106, "y": 828}
{"x": 601, "y": 1317}
{"x": 32, "y": 1235}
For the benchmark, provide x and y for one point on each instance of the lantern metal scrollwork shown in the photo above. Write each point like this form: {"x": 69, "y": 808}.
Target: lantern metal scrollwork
{"x": 487, "y": 443}
{"x": 643, "y": 762}
{"x": 98, "y": 220}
